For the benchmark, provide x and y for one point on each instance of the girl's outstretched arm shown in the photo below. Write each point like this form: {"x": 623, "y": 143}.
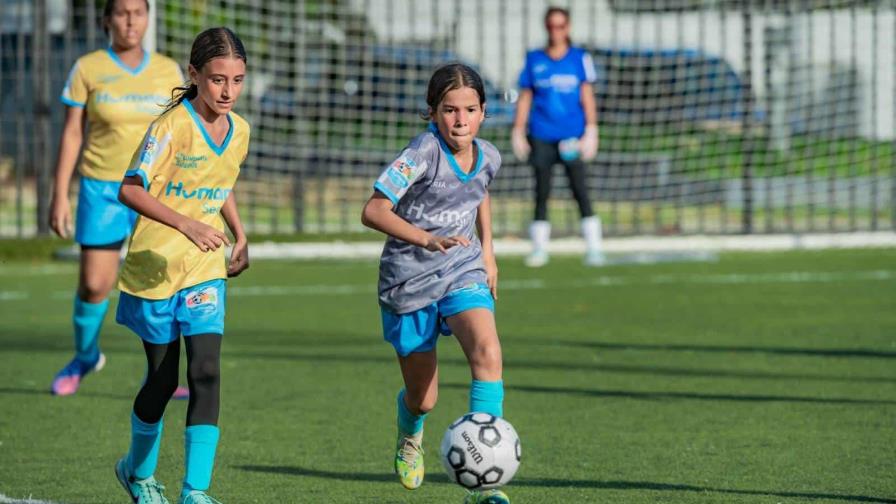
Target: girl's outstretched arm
{"x": 133, "y": 195}
{"x": 378, "y": 214}
{"x": 239, "y": 256}
{"x": 484, "y": 228}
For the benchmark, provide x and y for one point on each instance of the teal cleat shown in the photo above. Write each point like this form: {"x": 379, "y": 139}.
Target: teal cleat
{"x": 145, "y": 491}
{"x": 197, "y": 497}
{"x": 493, "y": 496}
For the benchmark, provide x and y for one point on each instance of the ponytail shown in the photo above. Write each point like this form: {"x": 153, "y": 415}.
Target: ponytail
{"x": 186, "y": 92}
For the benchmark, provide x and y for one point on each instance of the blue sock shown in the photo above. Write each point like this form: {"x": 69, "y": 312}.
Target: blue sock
{"x": 200, "y": 444}
{"x": 487, "y": 397}
{"x": 87, "y": 319}
{"x": 408, "y": 423}
{"x": 144, "y": 453}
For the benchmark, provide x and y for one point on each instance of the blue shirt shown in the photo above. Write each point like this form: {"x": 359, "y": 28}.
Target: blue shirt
{"x": 557, "y": 112}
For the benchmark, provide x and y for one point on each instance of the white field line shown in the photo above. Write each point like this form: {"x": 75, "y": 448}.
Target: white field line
{"x": 576, "y": 246}
{"x": 506, "y": 247}
{"x": 9, "y": 500}
{"x": 785, "y": 277}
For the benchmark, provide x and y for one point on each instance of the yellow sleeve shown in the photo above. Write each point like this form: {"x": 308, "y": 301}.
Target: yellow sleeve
{"x": 154, "y": 151}
{"x": 76, "y": 90}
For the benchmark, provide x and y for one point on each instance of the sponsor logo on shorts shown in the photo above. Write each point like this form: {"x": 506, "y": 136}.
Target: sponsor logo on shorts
{"x": 204, "y": 300}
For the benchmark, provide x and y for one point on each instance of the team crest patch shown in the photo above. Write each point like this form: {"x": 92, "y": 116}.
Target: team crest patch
{"x": 406, "y": 168}
{"x": 150, "y": 146}
{"x": 204, "y": 300}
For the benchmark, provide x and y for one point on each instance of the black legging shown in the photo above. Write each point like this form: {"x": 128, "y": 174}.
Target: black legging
{"x": 203, "y": 376}
{"x": 543, "y": 157}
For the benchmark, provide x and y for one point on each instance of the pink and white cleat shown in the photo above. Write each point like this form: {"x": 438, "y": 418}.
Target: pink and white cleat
{"x": 181, "y": 393}
{"x": 69, "y": 379}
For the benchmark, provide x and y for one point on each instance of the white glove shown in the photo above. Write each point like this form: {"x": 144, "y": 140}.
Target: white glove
{"x": 520, "y": 143}
{"x": 589, "y": 143}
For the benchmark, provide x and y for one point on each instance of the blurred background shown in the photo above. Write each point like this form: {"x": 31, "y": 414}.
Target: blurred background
{"x": 716, "y": 116}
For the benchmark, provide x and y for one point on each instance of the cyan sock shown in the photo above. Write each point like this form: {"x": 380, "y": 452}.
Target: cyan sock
{"x": 408, "y": 423}
{"x": 487, "y": 397}
{"x": 144, "y": 454}
{"x": 200, "y": 444}
{"x": 88, "y": 319}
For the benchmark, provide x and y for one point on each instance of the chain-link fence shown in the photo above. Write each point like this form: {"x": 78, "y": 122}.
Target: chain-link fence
{"x": 716, "y": 116}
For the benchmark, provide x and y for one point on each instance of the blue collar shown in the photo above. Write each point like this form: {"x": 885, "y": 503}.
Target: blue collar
{"x": 219, "y": 149}
{"x": 133, "y": 71}
{"x": 464, "y": 177}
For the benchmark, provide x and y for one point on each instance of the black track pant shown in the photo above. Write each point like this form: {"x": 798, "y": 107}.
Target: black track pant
{"x": 203, "y": 377}
{"x": 543, "y": 157}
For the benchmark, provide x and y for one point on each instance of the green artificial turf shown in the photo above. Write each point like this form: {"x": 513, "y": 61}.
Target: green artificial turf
{"x": 760, "y": 378}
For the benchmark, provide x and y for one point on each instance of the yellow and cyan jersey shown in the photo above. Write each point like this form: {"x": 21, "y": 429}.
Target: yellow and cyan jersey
{"x": 183, "y": 168}
{"x": 120, "y": 102}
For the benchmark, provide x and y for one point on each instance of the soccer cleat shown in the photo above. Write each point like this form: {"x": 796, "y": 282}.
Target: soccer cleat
{"x": 197, "y": 497}
{"x": 181, "y": 393}
{"x": 493, "y": 496}
{"x": 537, "y": 259}
{"x": 409, "y": 460}
{"x": 69, "y": 379}
{"x": 595, "y": 257}
{"x": 145, "y": 491}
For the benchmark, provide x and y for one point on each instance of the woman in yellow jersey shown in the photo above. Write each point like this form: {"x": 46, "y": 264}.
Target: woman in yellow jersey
{"x": 116, "y": 92}
{"x": 173, "y": 280}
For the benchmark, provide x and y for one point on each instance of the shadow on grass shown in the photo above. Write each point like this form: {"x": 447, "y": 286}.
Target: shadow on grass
{"x": 699, "y": 396}
{"x": 292, "y": 352}
{"x": 525, "y": 364}
{"x": 653, "y": 347}
{"x": 564, "y": 483}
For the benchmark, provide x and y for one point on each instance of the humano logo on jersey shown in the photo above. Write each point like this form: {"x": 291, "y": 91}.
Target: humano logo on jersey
{"x": 106, "y": 97}
{"x": 450, "y": 217}
{"x": 199, "y": 193}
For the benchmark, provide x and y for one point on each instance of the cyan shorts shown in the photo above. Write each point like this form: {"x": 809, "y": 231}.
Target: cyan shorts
{"x": 418, "y": 331}
{"x": 195, "y": 310}
{"x": 101, "y": 219}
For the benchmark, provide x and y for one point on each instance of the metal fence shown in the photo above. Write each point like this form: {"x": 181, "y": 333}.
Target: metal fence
{"x": 716, "y": 116}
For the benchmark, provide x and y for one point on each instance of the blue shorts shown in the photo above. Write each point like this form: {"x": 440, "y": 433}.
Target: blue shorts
{"x": 101, "y": 219}
{"x": 418, "y": 331}
{"x": 195, "y": 310}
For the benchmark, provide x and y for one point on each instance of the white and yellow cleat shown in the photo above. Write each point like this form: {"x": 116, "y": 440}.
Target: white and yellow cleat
{"x": 409, "y": 460}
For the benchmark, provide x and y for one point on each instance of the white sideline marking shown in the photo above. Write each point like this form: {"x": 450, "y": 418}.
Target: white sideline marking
{"x": 538, "y": 284}
{"x": 576, "y": 246}
{"x": 505, "y": 247}
{"x": 9, "y": 500}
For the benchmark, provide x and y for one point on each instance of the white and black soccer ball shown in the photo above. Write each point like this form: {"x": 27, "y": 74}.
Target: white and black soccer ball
{"x": 481, "y": 451}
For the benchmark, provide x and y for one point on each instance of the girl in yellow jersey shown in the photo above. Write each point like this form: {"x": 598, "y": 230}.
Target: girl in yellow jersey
{"x": 117, "y": 92}
{"x": 172, "y": 283}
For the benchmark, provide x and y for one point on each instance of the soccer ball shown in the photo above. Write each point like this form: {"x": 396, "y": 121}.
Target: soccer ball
{"x": 480, "y": 451}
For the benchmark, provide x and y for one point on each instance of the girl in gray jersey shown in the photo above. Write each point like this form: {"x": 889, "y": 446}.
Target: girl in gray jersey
{"x": 436, "y": 275}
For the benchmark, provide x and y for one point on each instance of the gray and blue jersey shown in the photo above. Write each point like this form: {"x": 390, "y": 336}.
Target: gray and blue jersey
{"x": 430, "y": 191}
